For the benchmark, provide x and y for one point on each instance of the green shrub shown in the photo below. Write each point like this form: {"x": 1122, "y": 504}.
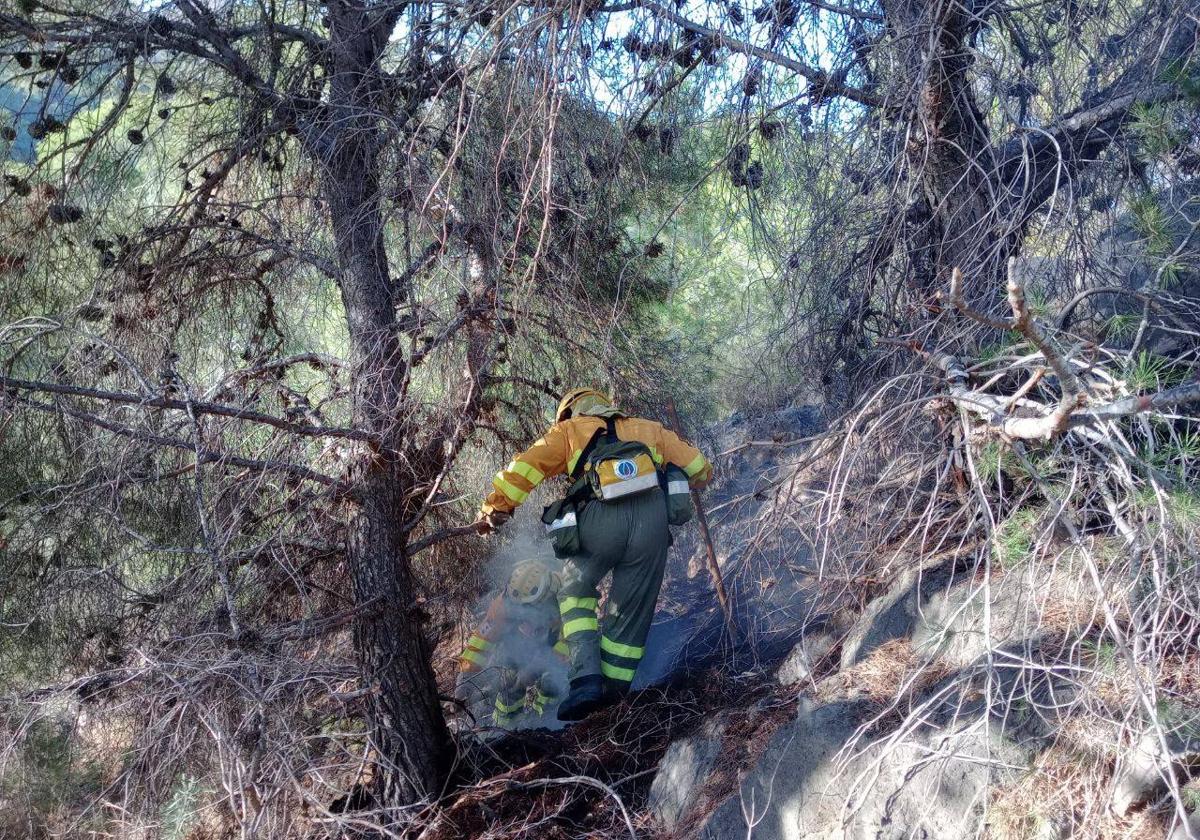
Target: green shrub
{"x": 180, "y": 811}
{"x": 1017, "y": 535}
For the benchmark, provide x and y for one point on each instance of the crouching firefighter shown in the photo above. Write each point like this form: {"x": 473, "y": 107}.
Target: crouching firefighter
{"x": 630, "y": 479}
{"x": 519, "y": 645}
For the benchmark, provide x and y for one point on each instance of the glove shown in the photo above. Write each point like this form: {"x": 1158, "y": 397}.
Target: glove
{"x": 465, "y": 689}
{"x": 486, "y": 523}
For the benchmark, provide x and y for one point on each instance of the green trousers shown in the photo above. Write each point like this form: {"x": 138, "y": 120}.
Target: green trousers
{"x": 514, "y": 684}
{"x": 629, "y": 538}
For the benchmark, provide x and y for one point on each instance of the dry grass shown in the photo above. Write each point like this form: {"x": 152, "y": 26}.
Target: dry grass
{"x": 1065, "y": 794}
{"x": 892, "y": 666}
{"x": 580, "y": 782}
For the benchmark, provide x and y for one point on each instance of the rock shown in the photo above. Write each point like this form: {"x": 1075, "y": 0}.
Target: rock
{"x": 1139, "y": 777}
{"x": 894, "y": 614}
{"x": 1122, "y": 256}
{"x": 1188, "y": 830}
{"x": 1123, "y": 252}
{"x": 790, "y": 774}
{"x": 682, "y": 644}
{"x": 683, "y": 770}
{"x": 951, "y": 621}
{"x": 890, "y": 616}
{"x": 802, "y": 420}
{"x": 798, "y": 666}
{"x": 1142, "y": 772}
{"x": 934, "y": 784}
{"x": 945, "y": 616}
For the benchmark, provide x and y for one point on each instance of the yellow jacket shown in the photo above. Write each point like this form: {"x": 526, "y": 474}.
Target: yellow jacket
{"x": 560, "y": 448}
{"x": 524, "y": 626}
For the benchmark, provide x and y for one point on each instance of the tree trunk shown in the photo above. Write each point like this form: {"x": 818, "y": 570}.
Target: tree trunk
{"x": 956, "y": 220}
{"x": 406, "y": 722}
{"x": 407, "y": 729}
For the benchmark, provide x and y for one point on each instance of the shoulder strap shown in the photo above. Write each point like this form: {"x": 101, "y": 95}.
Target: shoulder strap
{"x": 610, "y": 429}
{"x": 587, "y": 450}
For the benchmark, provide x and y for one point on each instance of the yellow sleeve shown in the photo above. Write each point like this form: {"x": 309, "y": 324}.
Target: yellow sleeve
{"x": 547, "y": 457}
{"x": 687, "y": 457}
{"x": 478, "y": 650}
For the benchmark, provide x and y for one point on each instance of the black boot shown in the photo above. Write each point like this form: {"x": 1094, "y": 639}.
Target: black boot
{"x": 614, "y": 691}
{"x": 587, "y": 695}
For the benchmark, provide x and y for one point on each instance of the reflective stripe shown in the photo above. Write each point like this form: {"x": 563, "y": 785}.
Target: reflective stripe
{"x": 634, "y": 485}
{"x": 514, "y": 493}
{"x": 473, "y": 656}
{"x": 527, "y": 471}
{"x": 698, "y": 463}
{"x": 570, "y": 603}
{"x": 478, "y": 642}
{"x": 618, "y": 649}
{"x": 615, "y": 672}
{"x": 677, "y": 487}
{"x": 561, "y": 647}
{"x": 567, "y": 520}
{"x": 580, "y": 625}
{"x": 573, "y": 460}
{"x": 509, "y": 709}
{"x": 656, "y": 455}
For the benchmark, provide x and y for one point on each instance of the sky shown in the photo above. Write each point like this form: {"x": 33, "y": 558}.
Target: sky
{"x": 615, "y": 84}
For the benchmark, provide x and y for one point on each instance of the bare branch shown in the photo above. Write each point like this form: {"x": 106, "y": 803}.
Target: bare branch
{"x": 208, "y": 456}
{"x": 821, "y": 84}
{"x": 173, "y": 404}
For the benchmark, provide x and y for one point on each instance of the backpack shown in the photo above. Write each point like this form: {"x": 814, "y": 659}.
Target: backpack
{"x": 613, "y": 468}
{"x": 610, "y": 469}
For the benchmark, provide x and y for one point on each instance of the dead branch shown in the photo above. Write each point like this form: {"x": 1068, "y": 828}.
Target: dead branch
{"x": 207, "y": 457}
{"x": 172, "y": 404}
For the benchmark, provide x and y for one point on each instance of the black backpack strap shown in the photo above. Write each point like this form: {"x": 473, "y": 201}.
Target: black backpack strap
{"x": 610, "y": 429}
{"x": 587, "y": 450}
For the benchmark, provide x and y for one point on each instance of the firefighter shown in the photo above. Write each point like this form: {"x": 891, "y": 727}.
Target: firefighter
{"x": 519, "y": 643}
{"x": 630, "y": 480}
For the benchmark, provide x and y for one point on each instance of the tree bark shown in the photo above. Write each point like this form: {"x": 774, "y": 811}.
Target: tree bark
{"x": 976, "y": 197}
{"x": 407, "y": 729}
{"x": 955, "y": 218}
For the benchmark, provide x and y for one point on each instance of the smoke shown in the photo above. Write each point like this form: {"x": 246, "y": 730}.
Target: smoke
{"x": 521, "y": 655}
{"x": 523, "y": 540}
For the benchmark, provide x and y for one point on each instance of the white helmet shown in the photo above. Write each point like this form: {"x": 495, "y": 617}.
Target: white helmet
{"x": 531, "y": 583}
